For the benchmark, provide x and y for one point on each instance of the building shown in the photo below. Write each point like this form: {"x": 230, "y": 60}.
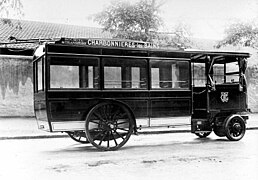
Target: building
{"x": 18, "y": 39}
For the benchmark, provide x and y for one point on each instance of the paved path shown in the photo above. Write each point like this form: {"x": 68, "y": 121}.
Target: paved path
{"x": 26, "y": 127}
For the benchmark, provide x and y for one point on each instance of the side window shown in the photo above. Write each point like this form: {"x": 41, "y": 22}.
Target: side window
{"x": 168, "y": 74}
{"x": 232, "y": 72}
{"x": 226, "y": 73}
{"x": 64, "y": 76}
{"x": 74, "y": 73}
{"x": 198, "y": 75}
{"x": 218, "y": 73}
{"x": 125, "y": 73}
{"x": 112, "y": 77}
{"x": 89, "y": 76}
{"x": 39, "y": 69}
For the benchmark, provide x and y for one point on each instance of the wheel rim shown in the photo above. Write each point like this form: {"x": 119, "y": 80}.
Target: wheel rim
{"x": 78, "y": 136}
{"x": 235, "y": 128}
{"x": 108, "y": 126}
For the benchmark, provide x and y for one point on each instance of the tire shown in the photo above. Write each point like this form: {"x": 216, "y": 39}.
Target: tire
{"x": 203, "y": 135}
{"x": 235, "y": 128}
{"x": 219, "y": 131}
{"x": 78, "y": 136}
{"x": 108, "y": 126}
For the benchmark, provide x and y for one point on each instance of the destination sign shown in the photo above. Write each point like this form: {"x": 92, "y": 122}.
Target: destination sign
{"x": 108, "y": 43}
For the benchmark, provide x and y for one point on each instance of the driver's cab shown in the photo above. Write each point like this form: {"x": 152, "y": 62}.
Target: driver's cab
{"x": 219, "y": 89}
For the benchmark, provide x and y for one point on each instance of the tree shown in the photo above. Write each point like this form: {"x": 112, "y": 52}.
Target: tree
{"x": 179, "y": 38}
{"x": 10, "y": 5}
{"x": 7, "y": 6}
{"x": 141, "y": 21}
{"x": 245, "y": 34}
{"x": 136, "y": 21}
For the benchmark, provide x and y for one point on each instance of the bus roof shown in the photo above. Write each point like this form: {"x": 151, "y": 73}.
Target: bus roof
{"x": 141, "y": 47}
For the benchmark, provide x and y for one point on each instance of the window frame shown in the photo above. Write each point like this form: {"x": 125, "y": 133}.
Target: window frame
{"x": 175, "y": 61}
{"x": 41, "y": 60}
{"x": 83, "y": 58}
{"x": 126, "y": 59}
{"x": 203, "y": 80}
{"x": 226, "y": 74}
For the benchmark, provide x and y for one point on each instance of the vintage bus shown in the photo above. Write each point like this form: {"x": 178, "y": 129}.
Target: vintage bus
{"x": 103, "y": 90}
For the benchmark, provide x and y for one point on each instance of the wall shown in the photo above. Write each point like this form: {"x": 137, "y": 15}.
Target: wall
{"x": 16, "y": 89}
{"x": 252, "y": 85}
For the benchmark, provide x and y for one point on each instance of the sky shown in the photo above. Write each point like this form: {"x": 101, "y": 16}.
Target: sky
{"x": 206, "y": 18}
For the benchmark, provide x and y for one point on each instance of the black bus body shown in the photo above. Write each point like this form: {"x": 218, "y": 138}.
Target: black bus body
{"x": 102, "y": 91}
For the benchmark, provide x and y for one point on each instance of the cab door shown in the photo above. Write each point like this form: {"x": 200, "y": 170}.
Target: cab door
{"x": 229, "y": 93}
{"x": 200, "y": 91}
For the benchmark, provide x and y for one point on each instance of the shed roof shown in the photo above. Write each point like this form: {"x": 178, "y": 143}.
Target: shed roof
{"x": 24, "y": 30}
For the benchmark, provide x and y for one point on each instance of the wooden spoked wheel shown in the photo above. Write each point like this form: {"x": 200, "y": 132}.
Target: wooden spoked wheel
{"x": 235, "y": 128}
{"x": 108, "y": 126}
{"x": 78, "y": 136}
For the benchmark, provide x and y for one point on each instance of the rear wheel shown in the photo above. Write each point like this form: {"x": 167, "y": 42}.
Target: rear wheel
{"x": 203, "y": 134}
{"x": 109, "y": 126}
{"x": 235, "y": 128}
{"x": 78, "y": 136}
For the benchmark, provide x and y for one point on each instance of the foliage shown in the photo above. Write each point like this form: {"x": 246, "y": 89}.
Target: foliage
{"x": 141, "y": 21}
{"x": 179, "y": 38}
{"x": 136, "y": 21}
{"x": 245, "y": 34}
{"x": 8, "y": 5}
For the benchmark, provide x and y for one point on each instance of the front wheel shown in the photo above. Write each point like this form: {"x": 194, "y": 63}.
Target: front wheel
{"x": 203, "y": 134}
{"x": 109, "y": 126}
{"x": 235, "y": 128}
{"x": 219, "y": 131}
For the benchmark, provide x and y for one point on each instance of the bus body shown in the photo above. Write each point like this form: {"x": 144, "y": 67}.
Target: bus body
{"x": 103, "y": 90}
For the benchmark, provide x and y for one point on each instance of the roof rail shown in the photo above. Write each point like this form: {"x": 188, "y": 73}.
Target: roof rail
{"x": 14, "y": 40}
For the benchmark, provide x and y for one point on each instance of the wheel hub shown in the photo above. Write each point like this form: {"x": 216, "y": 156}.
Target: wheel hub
{"x": 237, "y": 127}
{"x": 111, "y": 126}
